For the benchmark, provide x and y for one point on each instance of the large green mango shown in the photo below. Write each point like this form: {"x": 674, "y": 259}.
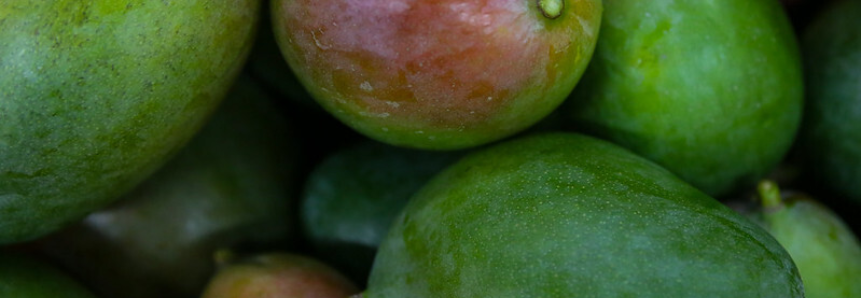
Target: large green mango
{"x": 565, "y": 215}
{"x": 96, "y": 95}
{"x": 25, "y": 277}
{"x": 711, "y": 90}
{"x": 830, "y": 137}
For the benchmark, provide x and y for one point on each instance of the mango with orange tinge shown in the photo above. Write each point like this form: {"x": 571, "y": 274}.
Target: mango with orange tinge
{"x": 438, "y": 74}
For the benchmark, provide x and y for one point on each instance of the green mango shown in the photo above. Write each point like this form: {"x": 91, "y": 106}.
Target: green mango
{"x": 25, "y": 277}
{"x": 440, "y": 75}
{"x": 96, "y": 95}
{"x": 829, "y": 142}
{"x": 231, "y": 187}
{"x": 567, "y": 215}
{"x": 710, "y": 90}
{"x": 826, "y": 251}
{"x": 351, "y": 198}
{"x": 281, "y": 275}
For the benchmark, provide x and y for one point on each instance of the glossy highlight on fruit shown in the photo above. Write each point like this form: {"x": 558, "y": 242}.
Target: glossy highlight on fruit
{"x": 437, "y": 74}
{"x": 96, "y": 95}
{"x": 710, "y": 90}
{"x": 566, "y": 215}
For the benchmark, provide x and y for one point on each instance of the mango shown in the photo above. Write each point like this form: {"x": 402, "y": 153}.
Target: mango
{"x": 96, "y": 95}
{"x": 829, "y": 143}
{"x": 711, "y": 90}
{"x": 231, "y": 187}
{"x": 26, "y": 277}
{"x": 280, "y": 275}
{"x": 435, "y": 74}
{"x": 567, "y": 215}
{"x": 351, "y": 198}
{"x": 826, "y": 251}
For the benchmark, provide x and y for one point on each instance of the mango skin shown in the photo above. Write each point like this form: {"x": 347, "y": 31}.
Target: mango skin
{"x": 352, "y": 197}
{"x": 711, "y": 90}
{"x": 96, "y": 95}
{"x": 435, "y": 74}
{"x": 281, "y": 275}
{"x": 825, "y": 250}
{"x": 566, "y": 215}
{"x": 25, "y": 277}
{"x": 829, "y": 142}
{"x": 230, "y": 187}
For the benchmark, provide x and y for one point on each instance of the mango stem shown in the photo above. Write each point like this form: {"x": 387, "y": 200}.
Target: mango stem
{"x": 769, "y": 193}
{"x": 551, "y": 8}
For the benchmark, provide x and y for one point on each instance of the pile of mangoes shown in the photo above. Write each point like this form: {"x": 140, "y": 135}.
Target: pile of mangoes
{"x": 430, "y": 148}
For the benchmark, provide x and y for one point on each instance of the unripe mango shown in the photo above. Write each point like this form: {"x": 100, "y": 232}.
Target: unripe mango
{"x": 96, "y": 95}
{"x": 566, "y": 215}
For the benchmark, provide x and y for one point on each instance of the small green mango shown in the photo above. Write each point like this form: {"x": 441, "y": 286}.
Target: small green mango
{"x": 829, "y": 142}
{"x": 280, "y": 275}
{"x": 352, "y": 197}
{"x": 96, "y": 95}
{"x": 826, "y": 251}
{"x": 25, "y": 277}
{"x": 230, "y": 187}
{"x": 710, "y": 90}
{"x": 566, "y": 215}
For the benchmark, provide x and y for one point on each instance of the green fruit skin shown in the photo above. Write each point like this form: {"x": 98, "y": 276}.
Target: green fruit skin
{"x": 439, "y": 75}
{"x": 352, "y": 197}
{"x": 231, "y": 186}
{"x": 830, "y": 140}
{"x": 826, "y": 251}
{"x": 25, "y": 277}
{"x": 710, "y": 90}
{"x": 278, "y": 275}
{"x": 96, "y": 95}
{"x": 566, "y": 215}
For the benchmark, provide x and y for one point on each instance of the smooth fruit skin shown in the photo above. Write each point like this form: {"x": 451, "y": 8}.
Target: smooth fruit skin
{"x": 96, "y": 95}
{"x": 230, "y": 187}
{"x": 824, "y": 248}
{"x": 436, "y": 74}
{"x": 711, "y": 90}
{"x": 352, "y": 197}
{"x": 25, "y": 277}
{"x": 829, "y": 142}
{"x": 566, "y": 215}
{"x": 278, "y": 275}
